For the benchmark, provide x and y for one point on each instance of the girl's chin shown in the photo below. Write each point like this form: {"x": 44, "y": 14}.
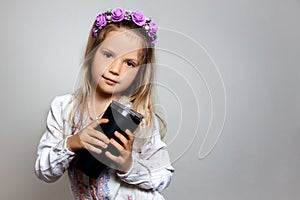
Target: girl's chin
{"x": 107, "y": 91}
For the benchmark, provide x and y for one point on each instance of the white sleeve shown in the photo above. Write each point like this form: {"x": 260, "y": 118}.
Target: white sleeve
{"x": 53, "y": 157}
{"x": 151, "y": 170}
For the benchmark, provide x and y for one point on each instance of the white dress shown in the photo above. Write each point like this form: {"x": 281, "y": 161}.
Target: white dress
{"x": 149, "y": 175}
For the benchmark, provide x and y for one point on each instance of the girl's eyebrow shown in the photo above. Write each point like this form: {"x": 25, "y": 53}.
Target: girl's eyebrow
{"x": 106, "y": 49}
{"x": 130, "y": 58}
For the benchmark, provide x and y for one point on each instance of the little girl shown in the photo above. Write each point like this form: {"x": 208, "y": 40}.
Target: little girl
{"x": 118, "y": 66}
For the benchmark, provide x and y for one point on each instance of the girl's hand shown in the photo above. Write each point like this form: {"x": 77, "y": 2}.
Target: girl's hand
{"x": 124, "y": 160}
{"x": 88, "y": 138}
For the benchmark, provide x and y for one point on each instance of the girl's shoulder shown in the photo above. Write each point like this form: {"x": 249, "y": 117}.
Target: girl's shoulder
{"x": 62, "y": 100}
{"x": 62, "y": 104}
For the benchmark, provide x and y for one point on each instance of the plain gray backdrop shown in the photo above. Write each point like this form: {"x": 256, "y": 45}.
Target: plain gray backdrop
{"x": 233, "y": 60}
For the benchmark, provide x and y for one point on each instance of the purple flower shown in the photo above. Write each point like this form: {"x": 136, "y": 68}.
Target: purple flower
{"x": 153, "y": 27}
{"x": 95, "y": 32}
{"x": 138, "y": 18}
{"x": 101, "y": 20}
{"x": 153, "y": 42}
{"x": 151, "y": 34}
{"x": 117, "y": 14}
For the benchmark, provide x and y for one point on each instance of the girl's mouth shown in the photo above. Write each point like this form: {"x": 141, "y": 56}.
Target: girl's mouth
{"x": 109, "y": 81}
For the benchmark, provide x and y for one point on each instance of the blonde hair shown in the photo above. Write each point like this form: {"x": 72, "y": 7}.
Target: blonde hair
{"x": 140, "y": 91}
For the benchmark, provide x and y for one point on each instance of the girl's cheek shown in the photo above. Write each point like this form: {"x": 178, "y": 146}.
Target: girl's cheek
{"x": 98, "y": 68}
{"x": 96, "y": 74}
{"x": 129, "y": 77}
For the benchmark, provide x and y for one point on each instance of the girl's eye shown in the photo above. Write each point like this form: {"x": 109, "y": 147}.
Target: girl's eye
{"x": 107, "y": 55}
{"x": 130, "y": 64}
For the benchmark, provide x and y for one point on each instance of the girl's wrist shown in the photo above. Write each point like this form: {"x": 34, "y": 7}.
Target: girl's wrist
{"x": 127, "y": 168}
{"x": 73, "y": 143}
{"x": 125, "y": 173}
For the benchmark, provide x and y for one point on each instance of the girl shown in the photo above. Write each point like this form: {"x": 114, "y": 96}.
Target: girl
{"x": 118, "y": 66}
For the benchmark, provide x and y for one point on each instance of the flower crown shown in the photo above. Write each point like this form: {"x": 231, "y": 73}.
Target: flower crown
{"x": 119, "y": 14}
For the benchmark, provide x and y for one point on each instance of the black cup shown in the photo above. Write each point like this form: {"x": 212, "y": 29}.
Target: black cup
{"x": 120, "y": 118}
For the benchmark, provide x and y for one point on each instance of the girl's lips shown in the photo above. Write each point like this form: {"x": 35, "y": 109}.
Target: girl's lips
{"x": 109, "y": 81}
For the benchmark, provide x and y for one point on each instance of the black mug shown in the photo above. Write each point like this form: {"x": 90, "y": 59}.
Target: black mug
{"x": 120, "y": 118}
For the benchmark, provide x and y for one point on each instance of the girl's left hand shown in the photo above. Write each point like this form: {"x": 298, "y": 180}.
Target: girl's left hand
{"x": 124, "y": 160}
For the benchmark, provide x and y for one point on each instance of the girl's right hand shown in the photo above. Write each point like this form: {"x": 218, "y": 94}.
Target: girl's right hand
{"x": 88, "y": 138}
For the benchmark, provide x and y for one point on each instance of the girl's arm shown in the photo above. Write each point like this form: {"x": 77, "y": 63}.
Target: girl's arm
{"x": 151, "y": 168}
{"x": 53, "y": 157}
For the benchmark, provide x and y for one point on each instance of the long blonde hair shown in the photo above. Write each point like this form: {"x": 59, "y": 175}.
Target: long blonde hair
{"x": 139, "y": 93}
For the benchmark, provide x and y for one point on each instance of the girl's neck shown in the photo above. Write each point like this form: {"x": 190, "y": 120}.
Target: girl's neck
{"x": 99, "y": 102}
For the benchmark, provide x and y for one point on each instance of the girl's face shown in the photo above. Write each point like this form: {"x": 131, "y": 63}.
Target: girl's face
{"x": 116, "y": 62}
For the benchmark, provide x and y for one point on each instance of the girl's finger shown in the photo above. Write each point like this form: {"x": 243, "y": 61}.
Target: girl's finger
{"x": 96, "y": 142}
{"x": 119, "y": 147}
{"x": 129, "y": 134}
{"x": 121, "y": 137}
{"x": 96, "y": 122}
{"x": 100, "y": 136}
{"x": 92, "y": 148}
{"x": 112, "y": 157}
{"x": 129, "y": 142}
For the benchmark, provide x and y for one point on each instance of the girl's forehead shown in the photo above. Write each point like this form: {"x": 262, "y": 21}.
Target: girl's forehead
{"x": 122, "y": 42}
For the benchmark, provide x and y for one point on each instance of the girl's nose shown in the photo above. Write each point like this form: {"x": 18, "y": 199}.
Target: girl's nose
{"x": 115, "y": 67}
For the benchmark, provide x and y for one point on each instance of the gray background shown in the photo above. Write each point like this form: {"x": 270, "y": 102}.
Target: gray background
{"x": 255, "y": 45}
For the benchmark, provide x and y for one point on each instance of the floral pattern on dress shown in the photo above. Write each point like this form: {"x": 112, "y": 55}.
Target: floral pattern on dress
{"x": 84, "y": 187}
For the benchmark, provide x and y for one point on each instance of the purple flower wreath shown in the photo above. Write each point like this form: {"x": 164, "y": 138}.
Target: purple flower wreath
{"x": 119, "y": 14}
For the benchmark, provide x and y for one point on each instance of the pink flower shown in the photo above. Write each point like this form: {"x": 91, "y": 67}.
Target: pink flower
{"x": 153, "y": 42}
{"x": 138, "y": 18}
{"x": 117, "y": 14}
{"x": 153, "y": 27}
{"x": 95, "y": 32}
{"x": 101, "y": 20}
